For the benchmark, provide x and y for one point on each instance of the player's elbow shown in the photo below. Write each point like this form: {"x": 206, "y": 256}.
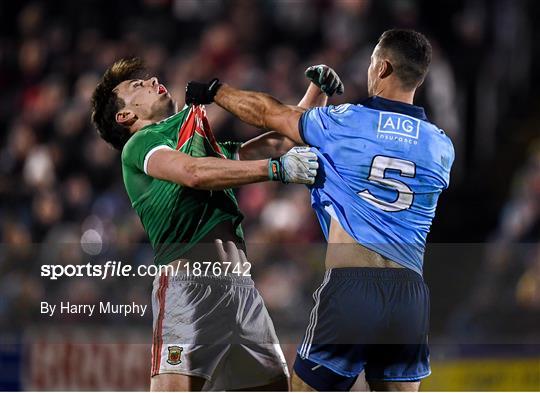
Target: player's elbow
{"x": 192, "y": 179}
{"x": 183, "y": 170}
{"x": 197, "y": 182}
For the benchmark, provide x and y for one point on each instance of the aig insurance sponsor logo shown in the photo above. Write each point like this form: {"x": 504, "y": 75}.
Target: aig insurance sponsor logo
{"x": 398, "y": 127}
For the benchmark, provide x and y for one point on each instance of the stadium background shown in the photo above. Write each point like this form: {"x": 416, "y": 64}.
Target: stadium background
{"x": 59, "y": 183}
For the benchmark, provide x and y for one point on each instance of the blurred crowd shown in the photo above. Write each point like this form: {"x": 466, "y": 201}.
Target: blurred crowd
{"x": 60, "y": 184}
{"x": 505, "y": 298}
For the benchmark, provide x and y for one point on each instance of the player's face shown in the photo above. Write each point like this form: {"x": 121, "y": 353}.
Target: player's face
{"x": 147, "y": 99}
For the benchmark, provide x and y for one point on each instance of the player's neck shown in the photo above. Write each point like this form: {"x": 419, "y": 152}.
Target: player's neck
{"x": 405, "y": 97}
{"x": 141, "y": 123}
{"x": 397, "y": 95}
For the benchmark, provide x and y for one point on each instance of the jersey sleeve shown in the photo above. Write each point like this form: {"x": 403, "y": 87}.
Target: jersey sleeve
{"x": 448, "y": 161}
{"x": 140, "y": 147}
{"x": 318, "y": 126}
{"x": 230, "y": 149}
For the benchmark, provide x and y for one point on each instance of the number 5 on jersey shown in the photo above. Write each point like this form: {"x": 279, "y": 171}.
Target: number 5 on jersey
{"x": 405, "y": 195}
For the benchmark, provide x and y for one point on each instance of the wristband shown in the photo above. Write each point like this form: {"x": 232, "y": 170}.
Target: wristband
{"x": 275, "y": 170}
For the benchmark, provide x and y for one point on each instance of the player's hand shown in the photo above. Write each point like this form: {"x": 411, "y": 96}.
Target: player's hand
{"x": 326, "y": 79}
{"x": 199, "y": 93}
{"x": 298, "y": 165}
{"x": 229, "y": 252}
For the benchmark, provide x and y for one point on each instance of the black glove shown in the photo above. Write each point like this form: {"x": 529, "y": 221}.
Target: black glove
{"x": 201, "y": 93}
{"x": 326, "y": 79}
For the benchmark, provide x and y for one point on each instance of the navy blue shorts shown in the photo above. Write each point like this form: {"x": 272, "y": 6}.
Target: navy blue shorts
{"x": 366, "y": 319}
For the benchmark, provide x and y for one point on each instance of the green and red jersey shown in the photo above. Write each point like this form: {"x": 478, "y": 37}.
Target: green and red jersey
{"x": 176, "y": 217}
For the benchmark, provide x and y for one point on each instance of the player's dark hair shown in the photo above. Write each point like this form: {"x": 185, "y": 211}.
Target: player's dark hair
{"x": 106, "y": 103}
{"x": 410, "y": 54}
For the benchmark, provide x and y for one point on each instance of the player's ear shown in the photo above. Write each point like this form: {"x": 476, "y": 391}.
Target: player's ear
{"x": 125, "y": 117}
{"x": 385, "y": 69}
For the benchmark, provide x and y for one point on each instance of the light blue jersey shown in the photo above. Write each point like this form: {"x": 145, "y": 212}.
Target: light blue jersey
{"x": 383, "y": 167}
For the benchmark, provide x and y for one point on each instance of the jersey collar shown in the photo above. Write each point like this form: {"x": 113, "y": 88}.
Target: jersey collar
{"x": 383, "y": 104}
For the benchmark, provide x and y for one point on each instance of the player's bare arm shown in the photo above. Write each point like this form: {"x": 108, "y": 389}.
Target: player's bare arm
{"x": 208, "y": 173}
{"x": 269, "y": 144}
{"x": 314, "y": 97}
{"x": 261, "y": 110}
{"x": 324, "y": 82}
{"x": 299, "y": 165}
{"x": 272, "y": 143}
{"x": 258, "y": 109}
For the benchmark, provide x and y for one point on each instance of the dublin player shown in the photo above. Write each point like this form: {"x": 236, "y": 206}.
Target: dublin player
{"x": 210, "y": 332}
{"x": 385, "y": 166}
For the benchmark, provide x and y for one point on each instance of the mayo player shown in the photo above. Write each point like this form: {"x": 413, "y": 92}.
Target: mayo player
{"x": 383, "y": 166}
{"x": 211, "y": 331}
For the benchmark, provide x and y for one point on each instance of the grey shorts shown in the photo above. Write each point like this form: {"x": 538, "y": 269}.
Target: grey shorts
{"x": 216, "y": 328}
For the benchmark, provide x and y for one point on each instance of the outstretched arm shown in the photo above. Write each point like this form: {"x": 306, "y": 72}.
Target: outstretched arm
{"x": 261, "y": 110}
{"x": 264, "y": 111}
{"x": 273, "y": 144}
{"x": 209, "y": 173}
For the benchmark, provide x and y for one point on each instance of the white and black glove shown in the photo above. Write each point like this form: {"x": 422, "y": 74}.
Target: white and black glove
{"x": 298, "y": 165}
{"x": 326, "y": 79}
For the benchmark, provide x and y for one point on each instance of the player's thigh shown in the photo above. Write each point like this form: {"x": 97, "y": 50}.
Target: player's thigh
{"x": 254, "y": 367}
{"x": 298, "y": 385}
{"x": 176, "y": 383}
{"x": 280, "y": 385}
{"x": 393, "y": 386}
